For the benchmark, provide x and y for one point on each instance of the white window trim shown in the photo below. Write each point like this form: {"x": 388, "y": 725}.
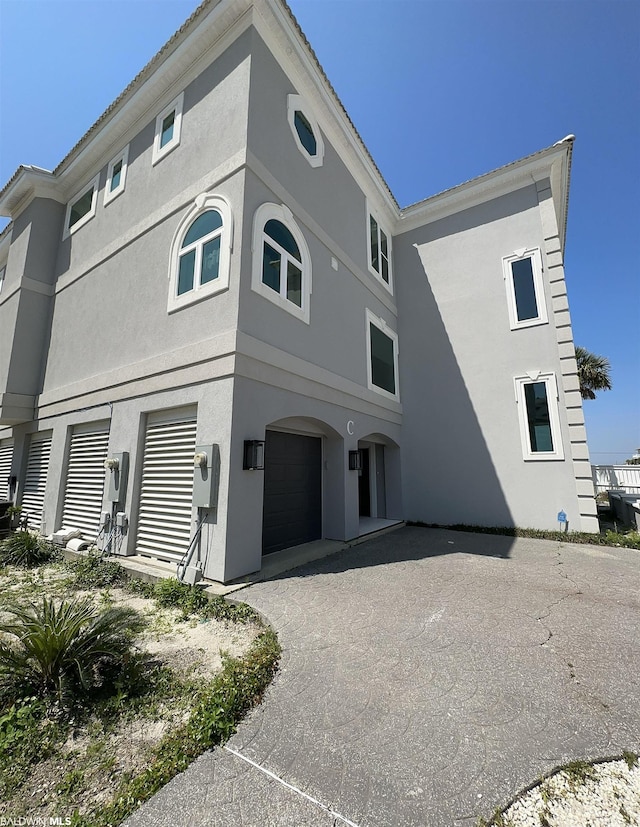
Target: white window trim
{"x": 110, "y": 194}
{"x": 160, "y": 152}
{"x": 67, "y": 231}
{"x": 383, "y": 227}
{"x": 372, "y": 319}
{"x": 554, "y": 416}
{"x": 296, "y": 103}
{"x": 281, "y": 213}
{"x": 3, "y": 273}
{"x": 203, "y": 202}
{"x": 538, "y": 285}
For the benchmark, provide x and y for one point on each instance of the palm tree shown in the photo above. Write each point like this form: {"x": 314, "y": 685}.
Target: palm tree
{"x": 593, "y": 373}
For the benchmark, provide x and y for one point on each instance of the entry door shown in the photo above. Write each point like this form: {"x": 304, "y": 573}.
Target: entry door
{"x": 292, "y": 491}
{"x": 364, "y": 485}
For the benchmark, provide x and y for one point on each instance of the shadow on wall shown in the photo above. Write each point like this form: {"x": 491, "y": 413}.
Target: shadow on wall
{"x": 402, "y": 546}
{"x": 448, "y": 472}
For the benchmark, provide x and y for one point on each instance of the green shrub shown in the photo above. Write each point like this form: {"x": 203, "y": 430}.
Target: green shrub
{"x": 26, "y": 550}
{"x": 64, "y": 651}
{"x": 171, "y": 592}
{"x": 629, "y": 540}
{"x": 92, "y": 572}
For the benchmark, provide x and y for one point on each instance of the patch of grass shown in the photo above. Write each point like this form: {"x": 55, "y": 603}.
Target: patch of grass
{"x": 219, "y": 707}
{"x": 27, "y": 736}
{"x": 630, "y": 539}
{"x": 92, "y": 572}
{"x": 630, "y": 758}
{"x": 26, "y": 550}
{"x": 170, "y": 593}
{"x": 579, "y": 772}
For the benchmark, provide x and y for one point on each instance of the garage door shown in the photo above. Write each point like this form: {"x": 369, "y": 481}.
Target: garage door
{"x": 85, "y": 479}
{"x": 35, "y": 482}
{"x": 166, "y": 492}
{"x": 6, "y": 455}
{"x": 292, "y": 491}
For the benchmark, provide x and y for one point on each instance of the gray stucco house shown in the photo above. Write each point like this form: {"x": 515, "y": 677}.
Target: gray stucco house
{"x": 215, "y": 319}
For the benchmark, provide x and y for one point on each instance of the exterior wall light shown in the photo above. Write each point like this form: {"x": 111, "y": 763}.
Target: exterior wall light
{"x": 112, "y": 464}
{"x": 253, "y": 459}
{"x": 355, "y": 460}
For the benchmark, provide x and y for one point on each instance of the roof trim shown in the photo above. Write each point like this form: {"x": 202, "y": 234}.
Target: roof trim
{"x": 554, "y": 162}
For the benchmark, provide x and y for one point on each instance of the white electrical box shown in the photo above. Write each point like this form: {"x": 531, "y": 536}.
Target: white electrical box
{"x": 206, "y": 476}
{"x": 117, "y": 478}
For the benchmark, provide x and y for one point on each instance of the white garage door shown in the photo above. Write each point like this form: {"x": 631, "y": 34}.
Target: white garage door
{"x": 6, "y": 455}
{"x": 166, "y": 491}
{"x": 35, "y": 482}
{"x": 85, "y": 479}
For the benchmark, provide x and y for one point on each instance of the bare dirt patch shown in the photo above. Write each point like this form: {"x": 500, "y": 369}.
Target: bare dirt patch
{"x": 175, "y": 659}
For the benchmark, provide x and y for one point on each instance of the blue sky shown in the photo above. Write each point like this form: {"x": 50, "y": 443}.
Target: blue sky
{"x": 440, "y": 92}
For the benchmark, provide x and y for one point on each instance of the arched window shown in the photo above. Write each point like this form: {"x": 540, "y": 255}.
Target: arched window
{"x": 200, "y": 253}
{"x": 281, "y": 261}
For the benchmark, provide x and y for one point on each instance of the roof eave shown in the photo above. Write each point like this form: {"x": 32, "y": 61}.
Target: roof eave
{"x": 554, "y": 163}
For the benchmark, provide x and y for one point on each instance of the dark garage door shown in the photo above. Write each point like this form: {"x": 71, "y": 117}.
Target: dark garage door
{"x": 292, "y": 491}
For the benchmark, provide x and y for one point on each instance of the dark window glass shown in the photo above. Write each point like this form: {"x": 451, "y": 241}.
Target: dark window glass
{"x": 210, "y": 260}
{"x": 373, "y": 231}
{"x": 279, "y": 233}
{"x": 535, "y": 395}
{"x": 116, "y": 175}
{"x": 294, "y": 283}
{"x": 382, "y": 362}
{"x": 271, "y": 267}
{"x": 305, "y": 133}
{"x": 524, "y": 290}
{"x": 81, "y": 207}
{"x": 185, "y": 272}
{"x": 384, "y": 257}
{"x": 167, "y": 128}
{"x": 203, "y": 225}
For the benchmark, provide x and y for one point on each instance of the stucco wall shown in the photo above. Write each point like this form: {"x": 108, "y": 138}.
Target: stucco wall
{"x": 461, "y": 434}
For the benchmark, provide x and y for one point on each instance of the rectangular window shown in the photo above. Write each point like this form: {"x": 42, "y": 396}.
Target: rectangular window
{"x": 382, "y": 353}
{"x": 81, "y": 208}
{"x": 3, "y": 270}
{"x": 116, "y": 175}
{"x": 525, "y": 289}
{"x": 168, "y": 129}
{"x": 379, "y": 252}
{"x": 537, "y": 399}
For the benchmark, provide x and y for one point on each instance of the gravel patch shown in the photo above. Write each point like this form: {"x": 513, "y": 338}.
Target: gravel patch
{"x": 605, "y": 795}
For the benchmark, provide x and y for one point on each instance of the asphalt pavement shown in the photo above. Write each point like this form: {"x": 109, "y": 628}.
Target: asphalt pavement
{"x": 427, "y": 676}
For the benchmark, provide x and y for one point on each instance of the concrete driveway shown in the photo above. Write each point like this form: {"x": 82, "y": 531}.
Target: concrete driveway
{"x": 427, "y": 676}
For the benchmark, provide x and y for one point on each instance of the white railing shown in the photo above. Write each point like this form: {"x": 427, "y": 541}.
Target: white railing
{"x": 621, "y": 477}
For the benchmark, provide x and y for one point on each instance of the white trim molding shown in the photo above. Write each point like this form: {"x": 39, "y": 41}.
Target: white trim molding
{"x": 92, "y": 187}
{"x": 281, "y": 213}
{"x": 203, "y": 203}
{"x": 541, "y": 440}
{"x": 117, "y": 167}
{"x": 161, "y": 150}
{"x": 533, "y": 255}
{"x": 379, "y": 241}
{"x": 383, "y": 327}
{"x": 297, "y": 104}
